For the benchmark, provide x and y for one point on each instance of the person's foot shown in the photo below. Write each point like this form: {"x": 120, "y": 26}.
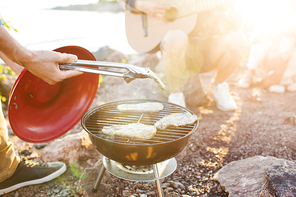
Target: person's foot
{"x": 292, "y": 87}
{"x": 177, "y": 98}
{"x": 277, "y": 89}
{"x": 246, "y": 80}
{"x": 29, "y": 173}
{"x": 223, "y": 98}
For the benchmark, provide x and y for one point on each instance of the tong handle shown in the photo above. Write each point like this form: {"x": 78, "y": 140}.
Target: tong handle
{"x": 99, "y": 63}
{"x": 132, "y": 73}
{"x": 90, "y": 70}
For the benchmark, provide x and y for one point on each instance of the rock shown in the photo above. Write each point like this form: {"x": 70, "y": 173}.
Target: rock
{"x": 104, "y": 53}
{"x": 173, "y": 194}
{"x": 117, "y": 56}
{"x": 88, "y": 179}
{"x": 290, "y": 120}
{"x": 70, "y": 148}
{"x": 280, "y": 180}
{"x": 245, "y": 177}
{"x": 126, "y": 193}
{"x": 151, "y": 193}
{"x": 194, "y": 92}
{"x": 176, "y": 184}
{"x": 149, "y": 60}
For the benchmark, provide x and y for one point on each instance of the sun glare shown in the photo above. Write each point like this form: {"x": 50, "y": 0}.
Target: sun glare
{"x": 265, "y": 12}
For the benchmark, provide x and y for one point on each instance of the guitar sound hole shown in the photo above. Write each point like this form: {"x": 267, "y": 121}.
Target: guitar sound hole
{"x": 171, "y": 14}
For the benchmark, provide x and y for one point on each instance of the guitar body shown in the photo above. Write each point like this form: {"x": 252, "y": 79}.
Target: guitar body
{"x": 183, "y": 15}
{"x": 156, "y": 29}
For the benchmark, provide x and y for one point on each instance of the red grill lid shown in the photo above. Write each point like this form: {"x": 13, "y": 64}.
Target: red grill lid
{"x": 39, "y": 112}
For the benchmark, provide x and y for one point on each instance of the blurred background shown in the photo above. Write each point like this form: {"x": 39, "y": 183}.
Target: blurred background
{"x": 46, "y": 25}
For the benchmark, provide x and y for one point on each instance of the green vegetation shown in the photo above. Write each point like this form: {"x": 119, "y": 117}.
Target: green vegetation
{"x": 7, "y": 24}
{"x": 107, "y": 1}
{"x": 4, "y": 69}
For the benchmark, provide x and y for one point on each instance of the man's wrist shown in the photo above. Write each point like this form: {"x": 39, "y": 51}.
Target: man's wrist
{"x": 24, "y": 56}
{"x": 131, "y": 3}
{"x": 131, "y": 6}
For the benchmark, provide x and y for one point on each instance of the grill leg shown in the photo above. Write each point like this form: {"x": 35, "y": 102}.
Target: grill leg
{"x": 158, "y": 182}
{"x": 100, "y": 176}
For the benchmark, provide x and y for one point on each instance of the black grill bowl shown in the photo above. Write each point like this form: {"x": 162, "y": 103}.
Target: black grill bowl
{"x": 164, "y": 145}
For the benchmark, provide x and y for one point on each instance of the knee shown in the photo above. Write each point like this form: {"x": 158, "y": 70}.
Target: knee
{"x": 237, "y": 43}
{"x": 174, "y": 42}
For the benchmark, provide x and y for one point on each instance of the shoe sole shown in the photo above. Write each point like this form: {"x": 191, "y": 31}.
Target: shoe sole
{"x": 224, "y": 109}
{"x": 211, "y": 96}
{"x": 244, "y": 86}
{"x": 36, "y": 181}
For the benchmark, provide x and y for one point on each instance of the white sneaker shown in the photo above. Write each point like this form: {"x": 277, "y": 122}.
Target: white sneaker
{"x": 292, "y": 87}
{"x": 246, "y": 81}
{"x": 223, "y": 98}
{"x": 277, "y": 89}
{"x": 177, "y": 98}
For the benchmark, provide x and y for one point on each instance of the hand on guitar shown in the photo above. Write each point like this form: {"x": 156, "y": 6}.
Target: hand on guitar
{"x": 152, "y": 8}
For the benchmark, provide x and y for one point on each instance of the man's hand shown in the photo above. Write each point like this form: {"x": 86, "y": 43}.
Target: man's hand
{"x": 42, "y": 64}
{"x": 155, "y": 9}
{"x": 45, "y": 65}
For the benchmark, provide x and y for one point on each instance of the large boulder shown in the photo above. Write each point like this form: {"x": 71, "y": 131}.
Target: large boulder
{"x": 245, "y": 177}
{"x": 107, "y": 53}
{"x": 71, "y": 149}
{"x": 280, "y": 180}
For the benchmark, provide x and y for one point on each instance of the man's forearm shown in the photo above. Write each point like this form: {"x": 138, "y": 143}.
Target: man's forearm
{"x": 12, "y": 48}
{"x": 14, "y": 66}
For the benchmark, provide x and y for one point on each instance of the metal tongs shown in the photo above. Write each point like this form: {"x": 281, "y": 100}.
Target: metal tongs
{"x": 131, "y": 71}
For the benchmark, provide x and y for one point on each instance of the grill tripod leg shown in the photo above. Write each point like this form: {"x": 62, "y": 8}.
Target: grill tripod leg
{"x": 100, "y": 176}
{"x": 158, "y": 182}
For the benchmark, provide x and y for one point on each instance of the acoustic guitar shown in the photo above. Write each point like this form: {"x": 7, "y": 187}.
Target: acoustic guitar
{"x": 144, "y": 33}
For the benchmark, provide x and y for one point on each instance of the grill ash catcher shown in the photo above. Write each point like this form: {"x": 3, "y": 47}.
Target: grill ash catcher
{"x": 154, "y": 172}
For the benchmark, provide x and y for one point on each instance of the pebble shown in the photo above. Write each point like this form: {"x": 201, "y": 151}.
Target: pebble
{"x": 151, "y": 193}
{"x": 169, "y": 189}
{"x": 277, "y": 89}
{"x": 176, "y": 185}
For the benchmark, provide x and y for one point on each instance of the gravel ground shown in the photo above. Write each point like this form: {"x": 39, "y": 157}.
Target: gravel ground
{"x": 263, "y": 124}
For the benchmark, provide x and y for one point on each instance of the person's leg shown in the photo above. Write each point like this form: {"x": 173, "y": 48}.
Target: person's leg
{"x": 257, "y": 54}
{"x": 225, "y": 54}
{"x": 8, "y": 159}
{"x": 14, "y": 173}
{"x": 173, "y": 47}
{"x": 290, "y": 73}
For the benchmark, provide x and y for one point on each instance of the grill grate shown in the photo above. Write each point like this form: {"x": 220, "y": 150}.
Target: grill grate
{"x": 107, "y": 114}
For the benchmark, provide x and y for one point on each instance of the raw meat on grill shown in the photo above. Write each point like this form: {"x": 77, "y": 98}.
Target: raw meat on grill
{"x": 148, "y": 107}
{"x": 133, "y": 130}
{"x": 176, "y": 119}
